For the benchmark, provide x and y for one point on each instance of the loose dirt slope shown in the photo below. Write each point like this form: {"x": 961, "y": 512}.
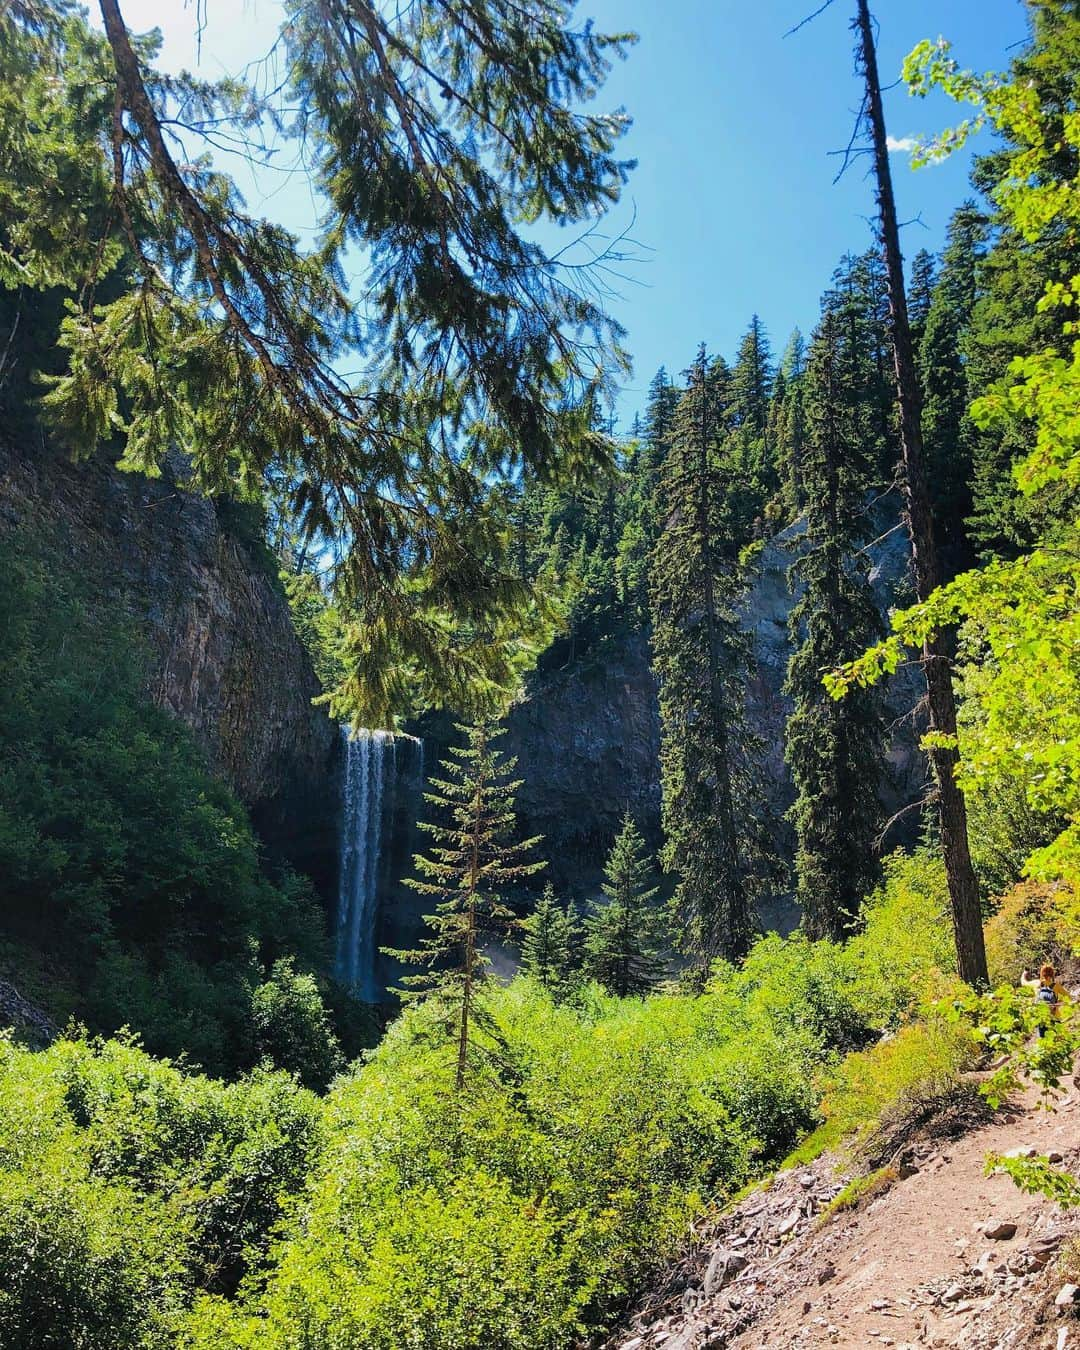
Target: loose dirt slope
{"x": 914, "y": 1266}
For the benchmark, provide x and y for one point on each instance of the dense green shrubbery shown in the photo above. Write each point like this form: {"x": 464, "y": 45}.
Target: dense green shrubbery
{"x": 123, "y": 859}
{"x": 396, "y": 1212}
{"x": 126, "y": 1183}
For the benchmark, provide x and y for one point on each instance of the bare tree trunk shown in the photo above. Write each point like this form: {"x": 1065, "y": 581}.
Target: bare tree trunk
{"x": 937, "y": 652}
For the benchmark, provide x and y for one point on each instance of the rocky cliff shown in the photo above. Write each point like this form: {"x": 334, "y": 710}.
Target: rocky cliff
{"x": 588, "y": 737}
{"x": 224, "y": 657}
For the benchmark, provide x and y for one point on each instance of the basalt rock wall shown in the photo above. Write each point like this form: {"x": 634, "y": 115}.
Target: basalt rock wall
{"x": 201, "y": 590}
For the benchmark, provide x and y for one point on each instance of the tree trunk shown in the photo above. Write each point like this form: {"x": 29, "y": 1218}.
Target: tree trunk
{"x": 937, "y": 652}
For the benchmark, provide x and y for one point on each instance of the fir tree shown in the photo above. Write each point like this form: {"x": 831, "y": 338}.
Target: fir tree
{"x": 751, "y": 379}
{"x": 549, "y": 953}
{"x": 624, "y": 937}
{"x": 834, "y": 748}
{"x": 948, "y": 432}
{"x": 920, "y": 292}
{"x": 432, "y": 132}
{"x": 786, "y": 431}
{"x": 472, "y": 859}
{"x": 700, "y": 658}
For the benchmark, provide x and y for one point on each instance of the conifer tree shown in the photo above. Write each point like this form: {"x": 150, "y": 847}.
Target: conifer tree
{"x": 549, "y": 954}
{"x": 624, "y": 938}
{"x": 751, "y": 379}
{"x": 786, "y": 431}
{"x": 473, "y": 857}
{"x": 432, "y": 131}
{"x": 948, "y": 432}
{"x": 700, "y": 658}
{"x": 920, "y": 292}
{"x": 834, "y": 748}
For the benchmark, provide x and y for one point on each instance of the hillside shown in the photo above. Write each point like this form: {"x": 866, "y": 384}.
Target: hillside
{"x": 939, "y": 1255}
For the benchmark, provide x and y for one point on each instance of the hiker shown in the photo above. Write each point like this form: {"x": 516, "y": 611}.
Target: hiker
{"x": 1047, "y": 990}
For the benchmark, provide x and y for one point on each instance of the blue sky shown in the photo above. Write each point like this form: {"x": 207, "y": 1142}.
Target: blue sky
{"x": 732, "y": 201}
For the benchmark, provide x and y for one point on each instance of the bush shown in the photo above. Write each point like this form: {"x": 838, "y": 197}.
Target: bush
{"x": 292, "y": 1029}
{"x": 126, "y": 1185}
{"x": 1033, "y": 923}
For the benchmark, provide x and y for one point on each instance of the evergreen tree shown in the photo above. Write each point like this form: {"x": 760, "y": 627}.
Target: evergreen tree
{"x": 624, "y": 937}
{"x": 834, "y": 748}
{"x": 472, "y": 859}
{"x": 700, "y": 658}
{"x": 920, "y": 292}
{"x": 948, "y": 432}
{"x": 937, "y": 648}
{"x": 786, "y": 431}
{"x": 751, "y": 379}
{"x": 549, "y": 954}
{"x": 432, "y": 132}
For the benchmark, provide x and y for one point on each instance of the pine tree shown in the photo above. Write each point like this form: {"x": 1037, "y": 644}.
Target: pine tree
{"x": 432, "y": 132}
{"x": 549, "y": 954}
{"x": 834, "y": 749}
{"x": 786, "y": 431}
{"x": 948, "y": 432}
{"x": 624, "y": 938}
{"x": 472, "y": 859}
{"x": 700, "y": 658}
{"x": 920, "y": 292}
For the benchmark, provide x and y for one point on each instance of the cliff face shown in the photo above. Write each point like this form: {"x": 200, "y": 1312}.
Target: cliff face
{"x": 588, "y": 744}
{"x": 588, "y": 739}
{"x": 223, "y": 654}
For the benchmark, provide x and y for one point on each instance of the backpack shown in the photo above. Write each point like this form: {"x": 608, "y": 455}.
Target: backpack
{"x": 1046, "y": 994}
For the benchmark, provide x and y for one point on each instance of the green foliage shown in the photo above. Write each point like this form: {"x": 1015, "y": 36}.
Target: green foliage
{"x": 1038, "y": 1176}
{"x": 910, "y": 1070}
{"x": 834, "y": 750}
{"x": 624, "y": 938}
{"x": 715, "y": 837}
{"x": 292, "y": 1030}
{"x": 156, "y": 1206}
{"x": 129, "y": 869}
{"x": 1005, "y": 1022}
{"x": 550, "y": 952}
{"x": 858, "y": 1190}
{"x": 127, "y": 1184}
{"x": 473, "y": 858}
{"x": 188, "y": 321}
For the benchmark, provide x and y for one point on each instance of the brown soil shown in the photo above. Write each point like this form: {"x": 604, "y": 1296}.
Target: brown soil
{"x": 910, "y": 1266}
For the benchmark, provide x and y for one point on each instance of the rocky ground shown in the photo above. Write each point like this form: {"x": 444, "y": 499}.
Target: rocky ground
{"x": 942, "y": 1256}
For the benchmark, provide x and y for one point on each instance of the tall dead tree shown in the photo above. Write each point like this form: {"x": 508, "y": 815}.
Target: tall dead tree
{"x": 938, "y": 651}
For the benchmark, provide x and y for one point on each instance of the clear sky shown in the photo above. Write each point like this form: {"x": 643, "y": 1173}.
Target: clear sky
{"x": 732, "y": 203}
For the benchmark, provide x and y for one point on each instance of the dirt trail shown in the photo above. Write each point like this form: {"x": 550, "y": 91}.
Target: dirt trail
{"x": 912, "y": 1267}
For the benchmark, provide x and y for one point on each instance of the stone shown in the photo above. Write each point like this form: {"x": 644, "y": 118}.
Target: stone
{"x": 724, "y": 1265}
{"x": 223, "y": 656}
{"x": 790, "y": 1223}
{"x": 1021, "y": 1151}
{"x": 999, "y": 1230}
{"x": 826, "y": 1273}
{"x": 1066, "y": 1295}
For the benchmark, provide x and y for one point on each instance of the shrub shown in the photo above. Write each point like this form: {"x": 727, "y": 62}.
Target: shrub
{"x": 292, "y": 1029}
{"x": 1033, "y": 923}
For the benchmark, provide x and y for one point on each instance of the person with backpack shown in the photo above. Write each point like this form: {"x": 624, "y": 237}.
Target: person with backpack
{"x": 1047, "y": 990}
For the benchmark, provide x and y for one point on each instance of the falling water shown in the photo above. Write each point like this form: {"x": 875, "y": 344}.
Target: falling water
{"x": 369, "y": 791}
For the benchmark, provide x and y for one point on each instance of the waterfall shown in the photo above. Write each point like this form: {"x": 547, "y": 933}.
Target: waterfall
{"x": 370, "y": 812}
